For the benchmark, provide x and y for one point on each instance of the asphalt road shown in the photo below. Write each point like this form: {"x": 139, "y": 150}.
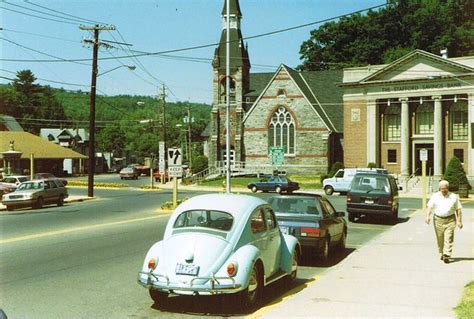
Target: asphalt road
{"x": 81, "y": 260}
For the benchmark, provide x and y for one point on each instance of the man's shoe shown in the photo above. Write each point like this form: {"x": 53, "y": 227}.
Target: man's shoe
{"x": 446, "y": 259}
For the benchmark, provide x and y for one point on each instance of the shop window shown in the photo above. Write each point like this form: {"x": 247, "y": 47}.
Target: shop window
{"x": 424, "y": 119}
{"x": 458, "y": 123}
{"x": 281, "y": 130}
{"x": 392, "y": 129}
{"x": 391, "y": 156}
{"x": 459, "y": 153}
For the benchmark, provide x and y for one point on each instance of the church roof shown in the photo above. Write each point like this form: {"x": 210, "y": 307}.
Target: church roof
{"x": 238, "y": 53}
{"x": 320, "y": 88}
{"x": 234, "y": 8}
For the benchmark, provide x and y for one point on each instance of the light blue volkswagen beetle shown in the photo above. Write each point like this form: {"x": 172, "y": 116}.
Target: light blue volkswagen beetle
{"x": 220, "y": 244}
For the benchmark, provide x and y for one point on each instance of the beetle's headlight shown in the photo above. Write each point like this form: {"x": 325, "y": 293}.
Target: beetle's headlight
{"x": 152, "y": 263}
{"x": 232, "y": 268}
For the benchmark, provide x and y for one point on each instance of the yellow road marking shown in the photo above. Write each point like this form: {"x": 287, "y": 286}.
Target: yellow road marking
{"x": 75, "y": 229}
{"x": 282, "y": 298}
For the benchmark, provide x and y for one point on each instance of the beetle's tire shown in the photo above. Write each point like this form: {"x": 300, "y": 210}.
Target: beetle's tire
{"x": 60, "y": 200}
{"x": 294, "y": 264}
{"x": 254, "y": 189}
{"x": 278, "y": 190}
{"x": 324, "y": 255}
{"x": 251, "y": 296}
{"x": 157, "y": 296}
{"x": 39, "y": 203}
{"x": 328, "y": 190}
{"x": 351, "y": 217}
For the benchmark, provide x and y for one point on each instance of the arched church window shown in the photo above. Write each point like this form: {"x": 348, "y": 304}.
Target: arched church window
{"x": 222, "y": 92}
{"x": 458, "y": 123}
{"x": 424, "y": 119}
{"x": 281, "y": 130}
{"x": 391, "y": 123}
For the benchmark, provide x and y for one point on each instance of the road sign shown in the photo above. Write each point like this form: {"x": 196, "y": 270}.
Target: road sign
{"x": 175, "y": 171}
{"x": 423, "y": 154}
{"x": 174, "y": 156}
{"x": 276, "y": 155}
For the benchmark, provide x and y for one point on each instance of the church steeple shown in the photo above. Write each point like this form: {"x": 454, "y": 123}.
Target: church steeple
{"x": 238, "y": 52}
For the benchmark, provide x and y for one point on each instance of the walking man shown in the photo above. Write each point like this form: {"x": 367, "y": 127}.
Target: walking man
{"x": 446, "y": 209}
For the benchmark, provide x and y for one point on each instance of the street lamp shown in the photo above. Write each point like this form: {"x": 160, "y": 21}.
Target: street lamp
{"x": 130, "y": 67}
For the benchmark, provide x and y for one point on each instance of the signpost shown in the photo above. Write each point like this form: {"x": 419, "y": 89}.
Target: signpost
{"x": 161, "y": 161}
{"x": 175, "y": 170}
{"x": 423, "y": 159}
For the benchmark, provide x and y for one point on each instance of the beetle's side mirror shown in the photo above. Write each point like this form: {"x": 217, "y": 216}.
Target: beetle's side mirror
{"x": 340, "y": 214}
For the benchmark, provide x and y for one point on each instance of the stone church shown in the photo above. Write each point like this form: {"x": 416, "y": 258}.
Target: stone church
{"x": 300, "y": 112}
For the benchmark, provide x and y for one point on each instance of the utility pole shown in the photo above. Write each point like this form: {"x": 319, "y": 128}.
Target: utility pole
{"x": 95, "y": 43}
{"x": 163, "y": 101}
{"x": 227, "y": 97}
{"x": 190, "y": 150}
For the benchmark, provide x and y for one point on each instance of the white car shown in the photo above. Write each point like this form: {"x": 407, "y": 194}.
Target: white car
{"x": 220, "y": 244}
{"x": 14, "y": 181}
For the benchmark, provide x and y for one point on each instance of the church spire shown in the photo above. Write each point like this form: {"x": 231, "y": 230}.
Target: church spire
{"x": 234, "y": 8}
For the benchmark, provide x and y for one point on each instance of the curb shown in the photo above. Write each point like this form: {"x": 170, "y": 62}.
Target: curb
{"x": 163, "y": 211}
{"x": 67, "y": 200}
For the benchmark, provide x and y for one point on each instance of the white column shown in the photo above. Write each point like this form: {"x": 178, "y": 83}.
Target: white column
{"x": 438, "y": 137}
{"x": 470, "y": 147}
{"x": 404, "y": 138}
{"x": 371, "y": 131}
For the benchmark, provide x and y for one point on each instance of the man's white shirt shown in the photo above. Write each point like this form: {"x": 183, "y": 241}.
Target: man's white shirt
{"x": 444, "y": 206}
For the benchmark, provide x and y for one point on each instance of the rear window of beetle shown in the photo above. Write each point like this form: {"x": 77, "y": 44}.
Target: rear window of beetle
{"x": 205, "y": 218}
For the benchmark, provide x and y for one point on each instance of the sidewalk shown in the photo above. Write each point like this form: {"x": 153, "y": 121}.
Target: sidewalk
{"x": 70, "y": 199}
{"x": 397, "y": 274}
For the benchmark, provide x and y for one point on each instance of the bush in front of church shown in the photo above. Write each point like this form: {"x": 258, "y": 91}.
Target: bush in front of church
{"x": 200, "y": 163}
{"x": 455, "y": 174}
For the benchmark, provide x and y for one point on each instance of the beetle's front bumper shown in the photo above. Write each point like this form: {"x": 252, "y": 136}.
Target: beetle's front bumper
{"x": 213, "y": 285}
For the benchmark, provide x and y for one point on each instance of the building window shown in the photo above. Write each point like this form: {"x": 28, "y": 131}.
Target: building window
{"x": 458, "y": 124}
{"x": 391, "y": 156}
{"x": 392, "y": 130}
{"x": 424, "y": 118}
{"x": 222, "y": 95}
{"x": 281, "y": 130}
{"x": 459, "y": 153}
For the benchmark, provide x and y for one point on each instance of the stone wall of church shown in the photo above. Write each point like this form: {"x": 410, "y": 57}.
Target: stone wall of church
{"x": 311, "y": 144}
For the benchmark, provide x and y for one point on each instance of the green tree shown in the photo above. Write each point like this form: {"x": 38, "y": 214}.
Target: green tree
{"x": 385, "y": 35}
{"x": 455, "y": 174}
{"x": 111, "y": 139}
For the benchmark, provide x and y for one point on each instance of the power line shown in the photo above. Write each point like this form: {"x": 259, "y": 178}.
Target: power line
{"x": 40, "y": 52}
{"x": 41, "y": 12}
{"x": 63, "y": 13}
{"x": 39, "y": 17}
{"x": 39, "y": 35}
{"x": 214, "y": 44}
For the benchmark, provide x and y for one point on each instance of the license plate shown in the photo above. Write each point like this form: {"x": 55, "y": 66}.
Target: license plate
{"x": 369, "y": 201}
{"x": 182, "y": 269}
{"x": 284, "y": 230}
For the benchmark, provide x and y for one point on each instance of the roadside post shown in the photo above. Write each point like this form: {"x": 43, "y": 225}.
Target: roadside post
{"x": 161, "y": 161}
{"x": 152, "y": 159}
{"x": 423, "y": 159}
{"x": 175, "y": 170}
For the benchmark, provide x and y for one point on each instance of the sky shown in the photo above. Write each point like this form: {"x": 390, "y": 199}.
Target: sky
{"x": 29, "y": 33}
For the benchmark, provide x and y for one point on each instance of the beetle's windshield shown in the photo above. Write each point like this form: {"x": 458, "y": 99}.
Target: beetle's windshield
{"x": 205, "y": 218}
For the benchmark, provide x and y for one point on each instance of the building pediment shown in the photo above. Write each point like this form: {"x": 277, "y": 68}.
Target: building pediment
{"x": 417, "y": 65}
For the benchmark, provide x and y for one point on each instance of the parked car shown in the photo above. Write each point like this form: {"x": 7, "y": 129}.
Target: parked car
{"x": 373, "y": 194}
{"x": 342, "y": 179}
{"x": 6, "y": 188}
{"x": 274, "y": 183}
{"x": 313, "y": 220}
{"x": 36, "y": 193}
{"x": 129, "y": 172}
{"x": 49, "y": 176}
{"x": 14, "y": 180}
{"x": 220, "y": 244}
{"x": 157, "y": 176}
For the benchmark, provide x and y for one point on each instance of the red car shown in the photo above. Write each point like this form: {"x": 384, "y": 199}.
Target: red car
{"x": 157, "y": 176}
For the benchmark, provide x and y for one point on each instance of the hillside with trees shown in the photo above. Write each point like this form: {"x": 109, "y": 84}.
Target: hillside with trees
{"x": 385, "y": 35}
{"x": 124, "y": 122}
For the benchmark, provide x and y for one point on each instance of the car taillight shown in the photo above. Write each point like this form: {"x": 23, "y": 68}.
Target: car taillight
{"x": 152, "y": 264}
{"x": 231, "y": 269}
{"x": 349, "y": 198}
{"x": 310, "y": 231}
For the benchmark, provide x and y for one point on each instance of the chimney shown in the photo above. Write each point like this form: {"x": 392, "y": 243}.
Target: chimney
{"x": 444, "y": 53}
